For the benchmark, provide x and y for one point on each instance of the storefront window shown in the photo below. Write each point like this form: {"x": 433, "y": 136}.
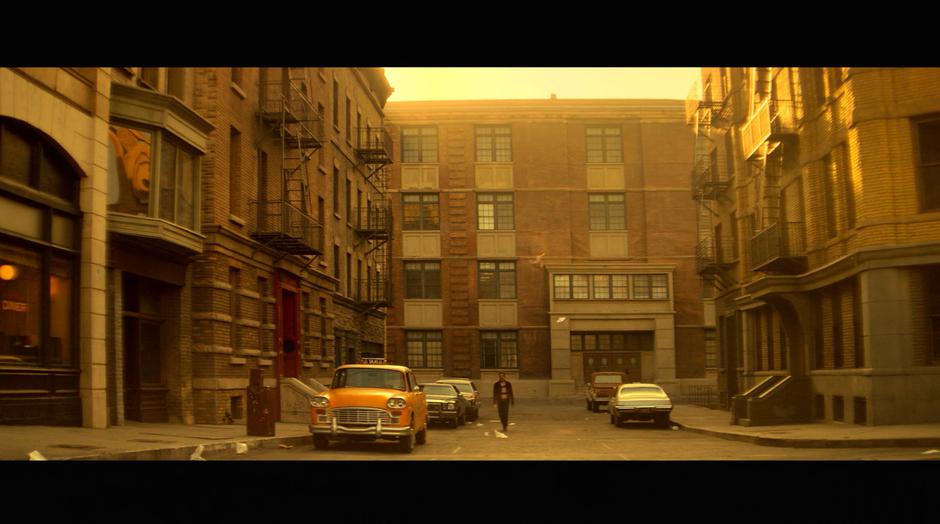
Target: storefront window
{"x": 20, "y": 305}
{"x": 60, "y": 319}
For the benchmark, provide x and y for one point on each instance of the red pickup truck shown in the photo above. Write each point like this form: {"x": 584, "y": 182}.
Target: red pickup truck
{"x": 601, "y": 387}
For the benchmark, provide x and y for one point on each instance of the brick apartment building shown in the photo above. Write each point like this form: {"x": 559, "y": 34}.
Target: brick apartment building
{"x": 819, "y": 230}
{"x": 546, "y": 239}
{"x": 196, "y": 223}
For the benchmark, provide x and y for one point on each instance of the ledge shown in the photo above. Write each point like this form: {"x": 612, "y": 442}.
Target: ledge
{"x": 171, "y": 236}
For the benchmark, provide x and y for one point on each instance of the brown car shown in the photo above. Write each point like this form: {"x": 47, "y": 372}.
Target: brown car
{"x": 601, "y": 388}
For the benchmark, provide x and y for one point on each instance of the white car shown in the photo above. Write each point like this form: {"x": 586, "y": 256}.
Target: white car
{"x": 638, "y": 401}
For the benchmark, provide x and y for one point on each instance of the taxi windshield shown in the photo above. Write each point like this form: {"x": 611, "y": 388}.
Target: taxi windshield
{"x": 368, "y": 378}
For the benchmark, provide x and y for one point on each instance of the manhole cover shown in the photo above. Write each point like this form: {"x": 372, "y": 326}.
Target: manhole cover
{"x": 74, "y": 446}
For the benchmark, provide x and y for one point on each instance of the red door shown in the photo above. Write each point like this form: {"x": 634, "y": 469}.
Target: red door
{"x": 287, "y": 322}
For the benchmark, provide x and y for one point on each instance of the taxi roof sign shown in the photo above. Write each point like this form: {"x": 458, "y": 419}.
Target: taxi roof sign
{"x": 367, "y": 360}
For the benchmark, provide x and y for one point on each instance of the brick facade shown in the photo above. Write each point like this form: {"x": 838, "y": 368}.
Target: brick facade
{"x": 849, "y": 177}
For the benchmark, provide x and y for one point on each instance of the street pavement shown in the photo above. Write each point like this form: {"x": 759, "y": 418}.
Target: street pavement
{"x": 178, "y": 442}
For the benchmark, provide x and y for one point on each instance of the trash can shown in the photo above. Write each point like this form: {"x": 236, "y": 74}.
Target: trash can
{"x": 261, "y": 410}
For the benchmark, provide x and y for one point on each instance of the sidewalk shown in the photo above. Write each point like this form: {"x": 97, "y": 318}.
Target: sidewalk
{"x": 817, "y": 435}
{"x": 142, "y": 441}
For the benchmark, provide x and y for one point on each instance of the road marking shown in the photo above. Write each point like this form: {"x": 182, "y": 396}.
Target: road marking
{"x": 454, "y": 452}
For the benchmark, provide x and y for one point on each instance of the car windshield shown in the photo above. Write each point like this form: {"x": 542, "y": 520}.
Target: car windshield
{"x": 369, "y": 378}
{"x": 438, "y": 389}
{"x": 607, "y": 379}
{"x": 646, "y": 391}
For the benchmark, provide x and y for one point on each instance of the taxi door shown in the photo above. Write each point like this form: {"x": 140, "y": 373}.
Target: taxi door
{"x": 420, "y": 400}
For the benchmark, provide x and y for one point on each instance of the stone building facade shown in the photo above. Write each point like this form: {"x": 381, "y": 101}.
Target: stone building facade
{"x": 819, "y": 240}
{"x": 229, "y": 219}
{"x": 546, "y": 239}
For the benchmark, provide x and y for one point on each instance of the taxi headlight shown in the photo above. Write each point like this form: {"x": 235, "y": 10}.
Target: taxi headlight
{"x": 396, "y": 403}
{"x": 320, "y": 402}
{"x": 450, "y": 405}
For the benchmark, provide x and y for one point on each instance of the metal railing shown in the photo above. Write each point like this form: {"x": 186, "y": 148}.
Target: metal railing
{"x": 285, "y": 227}
{"x": 712, "y": 256}
{"x": 374, "y": 145}
{"x": 374, "y": 218}
{"x": 783, "y": 120}
{"x": 372, "y": 290}
{"x": 779, "y": 241}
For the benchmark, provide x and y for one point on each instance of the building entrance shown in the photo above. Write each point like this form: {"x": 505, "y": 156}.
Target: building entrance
{"x": 143, "y": 325}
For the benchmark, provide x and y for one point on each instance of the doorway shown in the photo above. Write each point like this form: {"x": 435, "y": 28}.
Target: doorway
{"x": 290, "y": 336}
{"x": 143, "y": 326}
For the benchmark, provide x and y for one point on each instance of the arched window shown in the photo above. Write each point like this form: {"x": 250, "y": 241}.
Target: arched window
{"x": 39, "y": 250}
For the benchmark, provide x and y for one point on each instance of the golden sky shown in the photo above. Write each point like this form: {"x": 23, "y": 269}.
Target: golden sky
{"x": 488, "y": 83}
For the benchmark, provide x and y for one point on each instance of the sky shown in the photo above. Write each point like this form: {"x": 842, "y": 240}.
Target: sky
{"x": 488, "y": 83}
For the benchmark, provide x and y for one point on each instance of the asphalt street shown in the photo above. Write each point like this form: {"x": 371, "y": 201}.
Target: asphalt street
{"x": 553, "y": 430}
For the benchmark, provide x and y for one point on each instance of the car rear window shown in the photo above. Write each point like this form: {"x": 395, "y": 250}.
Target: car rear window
{"x": 608, "y": 379}
{"x": 463, "y": 388}
{"x": 438, "y": 389}
{"x": 645, "y": 391}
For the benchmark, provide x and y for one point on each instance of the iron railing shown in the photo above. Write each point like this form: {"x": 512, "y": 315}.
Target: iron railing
{"x": 285, "y": 227}
{"x": 780, "y": 241}
{"x": 713, "y": 256}
{"x": 374, "y": 145}
{"x": 783, "y": 119}
{"x": 373, "y": 219}
{"x": 373, "y": 290}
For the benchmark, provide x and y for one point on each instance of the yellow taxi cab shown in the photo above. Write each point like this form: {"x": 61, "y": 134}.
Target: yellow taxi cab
{"x": 370, "y": 401}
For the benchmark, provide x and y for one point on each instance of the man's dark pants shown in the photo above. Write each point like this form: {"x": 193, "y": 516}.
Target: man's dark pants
{"x": 503, "y": 407}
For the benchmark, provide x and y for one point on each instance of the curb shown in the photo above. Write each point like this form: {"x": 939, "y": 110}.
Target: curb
{"x": 818, "y": 442}
{"x": 184, "y": 452}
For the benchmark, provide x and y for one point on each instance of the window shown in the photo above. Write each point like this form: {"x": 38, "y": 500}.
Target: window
{"x": 323, "y": 328}
{"x": 652, "y": 287}
{"x": 604, "y": 144}
{"x": 612, "y": 341}
{"x": 571, "y": 287}
{"x": 423, "y": 280}
{"x": 494, "y": 143}
{"x": 420, "y": 212}
{"x": 358, "y": 128}
{"x": 711, "y": 348}
{"x": 335, "y": 107}
{"x": 335, "y": 190}
{"x": 348, "y": 119}
{"x": 610, "y": 287}
{"x": 419, "y": 144}
{"x": 928, "y": 142}
{"x": 606, "y": 211}
{"x": 498, "y": 350}
{"x": 235, "y": 172}
{"x": 176, "y": 82}
{"x": 234, "y": 277}
{"x": 150, "y": 76}
{"x": 497, "y": 279}
{"x": 830, "y": 174}
{"x": 38, "y": 280}
{"x": 933, "y": 310}
{"x": 348, "y": 195}
{"x": 495, "y": 211}
{"x": 336, "y": 261}
{"x": 132, "y": 168}
{"x": 349, "y": 275}
{"x": 424, "y": 349}
{"x": 848, "y": 187}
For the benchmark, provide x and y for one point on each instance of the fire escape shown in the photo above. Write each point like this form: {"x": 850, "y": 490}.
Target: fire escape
{"x": 714, "y": 251}
{"x": 769, "y": 144}
{"x": 373, "y": 220}
{"x": 284, "y": 222}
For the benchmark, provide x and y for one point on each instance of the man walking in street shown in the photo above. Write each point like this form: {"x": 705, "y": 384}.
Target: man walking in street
{"x": 502, "y": 398}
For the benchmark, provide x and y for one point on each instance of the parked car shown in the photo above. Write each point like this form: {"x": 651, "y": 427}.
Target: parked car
{"x": 601, "y": 387}
{"x": 637, "y": 401}
{"x": 468, "y": 390}
{"x": 445, "y": 404}
{"x": 370, "y": 402}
